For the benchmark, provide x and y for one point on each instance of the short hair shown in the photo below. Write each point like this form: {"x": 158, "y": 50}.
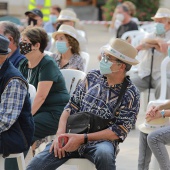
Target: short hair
{"x": 75, "y": 48}
{"x": 57, "y": 8}
{"x": 11, "y": 29}
{"x": 128, "y": 66}
{"x": 36, "y": 35}
{"x": 131, "y": 6}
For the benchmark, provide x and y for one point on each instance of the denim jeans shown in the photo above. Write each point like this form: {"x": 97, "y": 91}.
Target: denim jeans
{"x": 145, "y": 152}
{"x": 101, "y": 154}
{"x": 154, "y": 143}
{"x": 157, "y": 141}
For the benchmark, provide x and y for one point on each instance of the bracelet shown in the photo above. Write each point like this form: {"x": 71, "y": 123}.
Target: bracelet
{"x": 163, "y": 113}
{"x": 85, "y": 138}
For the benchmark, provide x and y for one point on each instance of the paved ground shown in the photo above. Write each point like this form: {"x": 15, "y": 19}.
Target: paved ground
{"x": 128, "y": 155}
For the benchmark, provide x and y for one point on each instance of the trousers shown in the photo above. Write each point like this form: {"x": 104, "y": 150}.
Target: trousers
{"x": 101, "y": 154}
{"x": 154, "y": 142}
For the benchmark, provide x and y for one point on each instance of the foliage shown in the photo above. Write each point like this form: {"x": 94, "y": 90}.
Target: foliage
{"x": 145, "y": 9}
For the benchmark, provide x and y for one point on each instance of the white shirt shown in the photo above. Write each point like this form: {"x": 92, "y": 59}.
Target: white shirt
{"x": 144, "y": 67}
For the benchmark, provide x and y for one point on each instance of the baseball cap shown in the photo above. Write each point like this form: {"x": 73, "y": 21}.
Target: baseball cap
{"x": 35, "y": 11}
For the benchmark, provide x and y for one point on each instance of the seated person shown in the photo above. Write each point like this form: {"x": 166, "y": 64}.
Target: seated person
{"x": 16, "y": 121}
{"x": 154, "y": 140}
{"x": 98, "y": 94}
{"x": 122, "y": 20}
{"x": 51, "y": 25}
{"x": 67, "y": 45}
{"x": 42, "y": 71}
{"x": 69, "y": 17}
{"x": 11, "y": 31}
{"x": 150, "y": 47}
{"x": 35, "y": 17}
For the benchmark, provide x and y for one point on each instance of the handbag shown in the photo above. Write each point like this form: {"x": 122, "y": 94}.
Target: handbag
{"x": 86, "y": 122}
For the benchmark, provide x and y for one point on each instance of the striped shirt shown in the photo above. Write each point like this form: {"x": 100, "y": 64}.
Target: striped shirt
{"x": 96, "y": 96}
{"x": 12, "y": 100}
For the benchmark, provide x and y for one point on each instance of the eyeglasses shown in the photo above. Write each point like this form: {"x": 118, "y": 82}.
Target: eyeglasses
{"x": 106, "y": 58}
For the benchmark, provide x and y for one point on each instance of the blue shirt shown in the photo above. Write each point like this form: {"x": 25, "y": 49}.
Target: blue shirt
{"x": 96, "y": 96}
{"x": 48, "y": 26}
{"x": 16, "y": 57}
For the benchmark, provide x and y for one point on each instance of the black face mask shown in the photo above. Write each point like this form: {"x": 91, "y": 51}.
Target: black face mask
{"x": 31, "y": 20}
{"x": 25, "y": 48}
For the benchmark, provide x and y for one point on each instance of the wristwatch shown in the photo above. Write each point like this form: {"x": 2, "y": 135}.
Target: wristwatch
{"x": 163, "y": 113}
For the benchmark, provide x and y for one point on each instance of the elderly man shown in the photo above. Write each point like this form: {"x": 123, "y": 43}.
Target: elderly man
{"x": 97, "y": 93}
{"x": 151, "y": 48}
{"x": 11, "y": 31}
{"x": 16, "y": 122}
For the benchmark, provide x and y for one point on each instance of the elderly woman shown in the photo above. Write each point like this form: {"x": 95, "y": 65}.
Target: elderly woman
{"x": 42, "y": 71}
{"x": 68, "y": 48}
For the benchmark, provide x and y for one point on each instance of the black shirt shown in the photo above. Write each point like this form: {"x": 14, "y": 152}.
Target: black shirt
{"x": 126, "y": 27}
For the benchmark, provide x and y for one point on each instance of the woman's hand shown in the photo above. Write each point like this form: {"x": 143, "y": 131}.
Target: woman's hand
{"x": 157, "y": 115}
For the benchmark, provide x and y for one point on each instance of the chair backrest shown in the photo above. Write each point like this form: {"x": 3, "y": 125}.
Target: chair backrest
{"x": 132, "y": 34}
{"x": 72, "y": 78}
{"x": 147, "y": 27}
{"x": 164, "y": 65}
{"x": 32, "y": 92}
{"x": 11, "y": 19}
{"x": 137, "y": 40}
{"x": 86, "y": 58}
{"x": 48, "y": 53}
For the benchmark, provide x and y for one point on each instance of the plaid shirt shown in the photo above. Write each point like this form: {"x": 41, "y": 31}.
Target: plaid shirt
{"x": 12, "y": 100}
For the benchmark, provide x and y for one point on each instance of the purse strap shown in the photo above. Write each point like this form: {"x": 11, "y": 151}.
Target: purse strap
{"x": 122, "y": 92}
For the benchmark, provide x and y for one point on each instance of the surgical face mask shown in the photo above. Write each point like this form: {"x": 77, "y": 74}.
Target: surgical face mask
{"x": 169, "y": 51}
{"x": 53, "y": 19}
{"x": 120, "y": 17}
{"x": 25, "y": 47}
{"x": 105, "y": 65}
{"x": 160, "y": 29}
{"x": 61, "y": 47}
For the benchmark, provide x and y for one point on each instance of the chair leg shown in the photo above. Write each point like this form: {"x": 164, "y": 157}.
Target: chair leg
{"x": 21, "y": 162}
{"x": 2, "y": 161}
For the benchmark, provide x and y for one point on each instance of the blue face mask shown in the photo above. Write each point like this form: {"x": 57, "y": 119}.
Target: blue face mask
{"x": 53, "y": 19}
{"x": 61, "y": 47}
{"x": 160, "y": 29}
{"x": 105, "y": 66}
{"x": 169, "y": 51}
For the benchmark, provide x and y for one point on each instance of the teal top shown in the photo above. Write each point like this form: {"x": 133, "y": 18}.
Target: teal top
{"x": 47, "y": 70}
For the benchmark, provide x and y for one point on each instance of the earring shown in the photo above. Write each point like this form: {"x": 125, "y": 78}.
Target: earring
{"x": 70, "y": 47}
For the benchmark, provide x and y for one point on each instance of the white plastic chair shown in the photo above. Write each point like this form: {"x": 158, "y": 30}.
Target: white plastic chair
{"x": 77, "y": 164}
{"x": 48, "y": 53}
{"x": 132, "y": 34}
{"x": 148, "y": 27}
{"x": 32, "y": 92}
{"x": 20, "y": 161}
{"x": 162, "y": 98}
{"x": 72, "y": 78}
{"x": 86, "y": 58}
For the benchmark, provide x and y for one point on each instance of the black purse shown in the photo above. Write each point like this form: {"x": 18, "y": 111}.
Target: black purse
{"x": 85, "y": 122}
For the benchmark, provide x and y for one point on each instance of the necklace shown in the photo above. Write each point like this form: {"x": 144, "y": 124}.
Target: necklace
{"x": 29, "y": 74}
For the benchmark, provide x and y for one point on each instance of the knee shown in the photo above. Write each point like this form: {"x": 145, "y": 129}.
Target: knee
{"x": 105, "y": 153}
{"x": 151, "y": 139}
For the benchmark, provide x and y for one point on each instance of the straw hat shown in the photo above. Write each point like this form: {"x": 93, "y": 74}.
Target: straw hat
{"x": 4, "y": 43}
{"x": 148, "y": 127}
{"x": 162, "y": 13}
{"x": 66, "y": 29}
{"x": 122, "y": 51}
{"x": 67, "y": 14}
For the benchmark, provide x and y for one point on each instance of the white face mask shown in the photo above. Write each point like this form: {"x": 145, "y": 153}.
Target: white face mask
{"x": 120, "y": 17}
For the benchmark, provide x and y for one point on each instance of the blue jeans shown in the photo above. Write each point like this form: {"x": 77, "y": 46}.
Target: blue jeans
{"x": 157, "y": 141}
{"x": 154, "y": 142}
{"x": 101, "y": 154}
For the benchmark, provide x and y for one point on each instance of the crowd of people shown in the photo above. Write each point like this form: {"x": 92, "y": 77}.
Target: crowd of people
{"x": 25, "y": 59}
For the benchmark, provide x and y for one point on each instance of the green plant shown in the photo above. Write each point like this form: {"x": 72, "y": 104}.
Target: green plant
{"x": 145, "y": 9}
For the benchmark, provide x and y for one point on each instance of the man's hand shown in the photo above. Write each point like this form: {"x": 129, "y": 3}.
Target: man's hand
{"x": 58, "y": 152}
{"x": 74, "y": 142}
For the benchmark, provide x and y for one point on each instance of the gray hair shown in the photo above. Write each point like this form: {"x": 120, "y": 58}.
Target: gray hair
{"x": 128, "y": 66}
{"x": 11, "y": 29}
